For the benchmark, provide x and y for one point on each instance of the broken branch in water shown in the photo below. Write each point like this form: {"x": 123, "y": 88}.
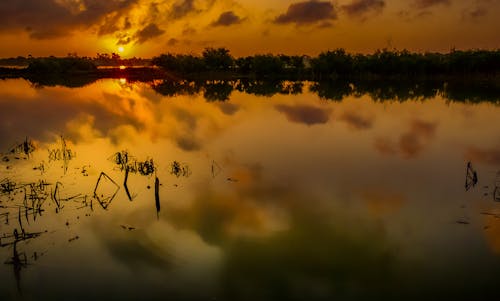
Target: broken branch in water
{"x": 105, "y": 190}
{"x": 125, "y": 184}
{"x": 215, "y": 169}
{"x": 496, "y": 191}
{"x": 157, "y": 196}
{"x": 470, "y": 177}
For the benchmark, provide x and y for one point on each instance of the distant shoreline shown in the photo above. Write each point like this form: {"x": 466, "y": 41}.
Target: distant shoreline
{"x": 111, "y": 72}
{"x": 154, "y": 73}
{"x": 219, "y": 64}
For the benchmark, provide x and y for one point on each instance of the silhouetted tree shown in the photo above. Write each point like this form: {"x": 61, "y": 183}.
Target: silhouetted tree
{"x": 267, "y": 64}
{"x": 332, "y": 64}
{"x": 217, "y": 59}
{"x": 53, "y": 65}
{"x": 181, "y": 63}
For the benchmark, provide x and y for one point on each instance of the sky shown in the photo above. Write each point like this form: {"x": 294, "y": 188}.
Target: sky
{"x": 145, "y": 28}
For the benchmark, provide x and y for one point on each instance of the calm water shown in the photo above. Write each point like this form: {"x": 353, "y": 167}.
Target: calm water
{"x": 247, "y": 191}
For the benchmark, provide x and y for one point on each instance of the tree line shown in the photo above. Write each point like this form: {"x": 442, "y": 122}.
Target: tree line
{"x": 218, "y": 63}
{"x": 73, "y": 61}
{"x": 336, "y": 63}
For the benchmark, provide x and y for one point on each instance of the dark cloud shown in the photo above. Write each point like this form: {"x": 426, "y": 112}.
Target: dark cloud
{"x": 110, "y": 24}
{"x": 185, "y": 137}
{"x": 141, "y": 252}
{"x": 428, "y": 3}
{"x": 479, "y": 9}
{"x": 182, "y": 8}
{"x": 474, "y": 14}
{"x": 188, "y": 143}
{"x": 304, "y": 114}
{"x": 124, "y": 40}
{"x": 21, "y": 118}
{"x": 357, "y": 121}
{"x": 153, "y": 10}
{"x": 45, "y": 19}
{"x": 114, "y": 23}
{"x": 485, "y": 156}
{"x": 385, "y": 146}
{"x": 227, "y": 18}
{"x": 188, "y": 31}
{"x": 47, "y": 34}
{"x": 127, "y": 24}
{"x": 172, "y": 42}
{"x": 478, "y": 12}
{"x": 259, "y": 256}
{"x": 325, "y": 24}
{"x": 150, "y": 31}
{"x": 228, "y": 108}
{"x": 411, "y": 143}
{"x": 408, "y": 15}
{"x": 307, "y": 12}
{"x": 362, "y": 7}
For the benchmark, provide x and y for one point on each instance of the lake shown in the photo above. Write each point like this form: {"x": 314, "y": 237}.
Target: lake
{"x": 249, "y": 190}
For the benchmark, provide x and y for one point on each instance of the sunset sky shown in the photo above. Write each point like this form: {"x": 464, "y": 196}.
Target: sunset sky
{"x": 149, "y": 27}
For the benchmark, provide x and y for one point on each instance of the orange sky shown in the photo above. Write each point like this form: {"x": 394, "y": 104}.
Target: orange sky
{"x": 150, "y": 27}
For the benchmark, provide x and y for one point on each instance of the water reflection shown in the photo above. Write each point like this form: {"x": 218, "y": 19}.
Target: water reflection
{"x": 471, "y": 90}
{"x": 265, "y": 191}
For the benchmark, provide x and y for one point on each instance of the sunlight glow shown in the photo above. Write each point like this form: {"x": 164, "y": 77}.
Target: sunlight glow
{"x": 121, "y": 49}
{"x": 122, "y": 67}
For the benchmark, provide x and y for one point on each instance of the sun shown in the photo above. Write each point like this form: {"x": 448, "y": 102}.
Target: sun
{"x": 121, "y": 49}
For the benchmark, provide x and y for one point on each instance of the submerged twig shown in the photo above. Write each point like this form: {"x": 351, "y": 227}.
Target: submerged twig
{"x": 470, "y": 177}
{"x": 105, "y": 201}
{"x": 125, "y": 184}
{"x": 157, "y": 197}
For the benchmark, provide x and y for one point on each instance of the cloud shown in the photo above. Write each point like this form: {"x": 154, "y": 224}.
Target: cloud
{"x": 357, "y": 121}
{"x": 304, "y": 114}
{"x": 188, "y": 31}
{"x": 20, "y": 117}
{"x": 411, "y": 143}
{"x": 326, "y": 24}
{"x": 188, "y": 143}
{"x": 46, "y": 19}
{"x": 123, "y": 39}
{"x": 476, "y": 13}
{"x": 110, "y": 25}
{"x": 485, "y": 156}
{"x": 408, "y": 15}
{"x": 481, "y": 8}
{"x": 150, "y": 31}
{"x": 423, "y": 4}
{"x": 307, "y": 12}
{"x": 385, "y": 146}
{"x": 227, "y": 18}
{"x": 172, "y": 42}
{"x": 263, "y": 222}
{"x": 182, "y": 8}
{"x": 362, "y": 7}
{"x": 228, "y": 108}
